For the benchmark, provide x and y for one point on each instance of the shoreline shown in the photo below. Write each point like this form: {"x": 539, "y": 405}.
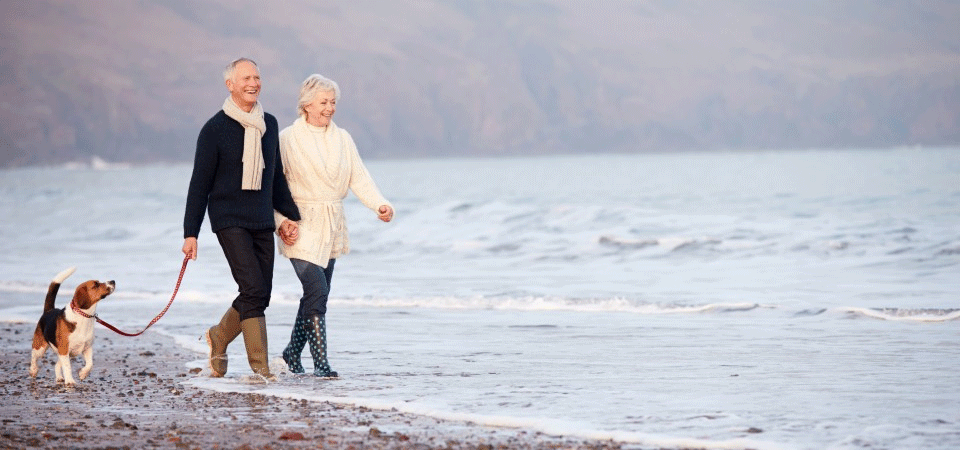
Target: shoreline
{"x": 136, "y": 397}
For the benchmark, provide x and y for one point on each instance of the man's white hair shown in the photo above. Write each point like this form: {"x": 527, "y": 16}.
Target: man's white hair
{"x": 232, "y": 67}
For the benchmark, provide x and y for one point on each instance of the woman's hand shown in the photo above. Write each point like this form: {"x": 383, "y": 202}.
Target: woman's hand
{"x": 385, "y": 213}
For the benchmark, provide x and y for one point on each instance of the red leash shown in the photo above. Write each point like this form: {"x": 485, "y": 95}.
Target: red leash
{"x": 155, "y": 319}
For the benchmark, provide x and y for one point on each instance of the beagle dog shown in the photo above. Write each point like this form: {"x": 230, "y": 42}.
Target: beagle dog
{"x": 69, "y": 330}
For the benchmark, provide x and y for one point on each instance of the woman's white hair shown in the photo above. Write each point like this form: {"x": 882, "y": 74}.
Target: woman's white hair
{"x": 313, "y": 85}
{"x": 232, "y": 67}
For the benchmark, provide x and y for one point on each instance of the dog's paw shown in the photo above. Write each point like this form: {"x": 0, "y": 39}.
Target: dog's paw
{"x": 33, "y": 371}
{"x": 83, "y": 373}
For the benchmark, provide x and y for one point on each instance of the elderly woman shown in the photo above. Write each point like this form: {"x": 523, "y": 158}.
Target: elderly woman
{"x": 321, "y": 162}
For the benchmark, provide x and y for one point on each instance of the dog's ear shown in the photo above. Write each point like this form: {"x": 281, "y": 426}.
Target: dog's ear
{"x": 82, "y": 297}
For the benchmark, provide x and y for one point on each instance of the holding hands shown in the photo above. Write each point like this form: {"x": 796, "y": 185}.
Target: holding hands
{"x": 289, "y": 232}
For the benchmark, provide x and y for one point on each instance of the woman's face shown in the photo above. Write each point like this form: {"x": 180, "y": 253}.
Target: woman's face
{"x": 321, "y": 109}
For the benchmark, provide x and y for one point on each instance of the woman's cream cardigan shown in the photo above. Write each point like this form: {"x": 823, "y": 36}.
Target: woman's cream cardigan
{"x": 320, "y": 164}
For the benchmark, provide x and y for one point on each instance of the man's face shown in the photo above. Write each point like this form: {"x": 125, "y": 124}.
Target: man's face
{"x": 244, "y": 87}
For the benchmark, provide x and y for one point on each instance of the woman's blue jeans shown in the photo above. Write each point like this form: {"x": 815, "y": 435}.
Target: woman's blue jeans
{"x": 316, "y": 286}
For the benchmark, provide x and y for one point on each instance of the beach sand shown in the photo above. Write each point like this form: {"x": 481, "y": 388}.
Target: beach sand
{"x": 136, "y": 398}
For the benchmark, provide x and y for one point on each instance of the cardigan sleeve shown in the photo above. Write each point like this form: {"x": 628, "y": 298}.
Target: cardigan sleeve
{"x": 201, "y": 182}
{"x": 361, "y": 183}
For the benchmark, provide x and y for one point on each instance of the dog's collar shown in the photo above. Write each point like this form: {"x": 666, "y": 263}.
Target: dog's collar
{"x": 76, "y": 309}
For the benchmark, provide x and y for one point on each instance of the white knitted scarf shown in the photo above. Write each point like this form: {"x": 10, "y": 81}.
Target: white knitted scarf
{"x": 253, "y": 129}
{"x": 328, "y": 150}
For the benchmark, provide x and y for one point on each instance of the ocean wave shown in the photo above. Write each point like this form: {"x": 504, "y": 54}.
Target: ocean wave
{"x": 21, "y": 293}
{"x": 21, "y": 287}
{"x": 671, "y": 244}
{"x": 905, "y": 314}
{"x": 535, "y": 303}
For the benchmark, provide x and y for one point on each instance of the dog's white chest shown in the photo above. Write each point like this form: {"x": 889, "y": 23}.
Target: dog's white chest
{"x": 81, "y": 338}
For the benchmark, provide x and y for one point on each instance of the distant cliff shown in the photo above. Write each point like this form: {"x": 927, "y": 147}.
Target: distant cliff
{"x": 134, "y": 81}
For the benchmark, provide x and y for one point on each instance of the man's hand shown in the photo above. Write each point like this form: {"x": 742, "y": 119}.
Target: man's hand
{"x": 190, "y": 247}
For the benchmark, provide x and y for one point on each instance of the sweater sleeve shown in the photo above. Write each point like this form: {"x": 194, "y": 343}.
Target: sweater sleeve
{"x": 282, "y": 199}
{"x": 361, "y": 183}
{"x": 201, "y": 182}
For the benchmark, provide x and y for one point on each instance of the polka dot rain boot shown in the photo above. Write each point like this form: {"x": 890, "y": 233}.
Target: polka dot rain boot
{"x": 316, "y": 329}
{"x": 298, "y": 338}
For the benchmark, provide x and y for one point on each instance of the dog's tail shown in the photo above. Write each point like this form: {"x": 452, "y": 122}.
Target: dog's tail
{"x": 55, "y": 287}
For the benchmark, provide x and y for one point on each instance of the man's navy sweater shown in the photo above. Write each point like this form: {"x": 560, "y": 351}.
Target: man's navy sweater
{"x": 217, "y": 171}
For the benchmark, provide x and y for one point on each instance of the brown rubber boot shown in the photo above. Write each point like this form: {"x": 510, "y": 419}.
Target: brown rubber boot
{"x": 219, "y": 337}
{"x": 255, "y": 339}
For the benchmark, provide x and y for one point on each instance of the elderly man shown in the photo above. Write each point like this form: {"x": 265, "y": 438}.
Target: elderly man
{"x": 238, "y": 178}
